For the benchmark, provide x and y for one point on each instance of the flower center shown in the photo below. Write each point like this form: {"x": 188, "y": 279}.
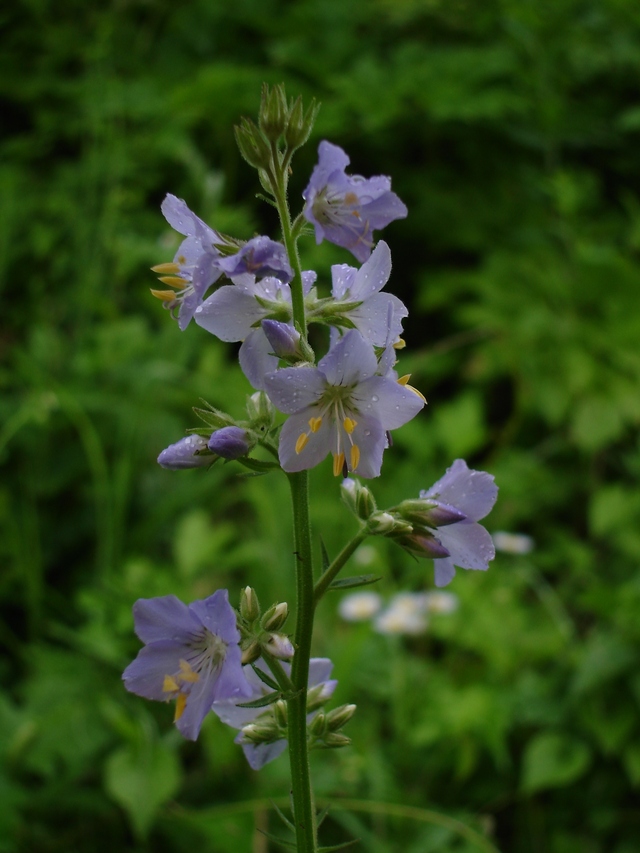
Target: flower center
{"x": 205, "y": 656}
{"x": 335, "y": 405}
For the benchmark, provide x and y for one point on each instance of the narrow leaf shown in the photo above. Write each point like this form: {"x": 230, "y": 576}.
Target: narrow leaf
{"x": 356, "y": 580}
{"x": 290, "y": 844}
{"x": 269, "y": 699}
{"x": 326, "y": 562}
{"x": 258, "y": 465}
{"x": 338, "y": 846}
{"x": 265, "y": 678}
{"x": 283, "y": 817}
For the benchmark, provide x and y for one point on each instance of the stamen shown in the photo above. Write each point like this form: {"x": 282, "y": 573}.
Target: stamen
{"x": 338, "y": 464}
{"x": 170, "y": 685}
{"x": 301, "y": 443}
{"x": 164, "y": 295}
{"x": 187, "y": 673}
{"x": 166, "y": 269}
{"x": 181, "y": 703}
{"x": 419, "y": 393}
{"x": 349, "y": 425}
{"x": 315, "y": 424}
{"x": 355, "y": 456}
{"x": 400, "y": 344}
{"x": 174, "y": 281}
{"x": 404, "y": 379}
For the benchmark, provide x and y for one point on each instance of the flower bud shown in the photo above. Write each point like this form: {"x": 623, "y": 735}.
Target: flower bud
{"x": 251, "y": 653}
{"x": 284, "y": 339}
{"x": 280, "y": 713}
{"x": 339, "y": 717}
{"x": 300, "y": 124}
{"x": 230, "y": 442}
{"x": 260, "y": 408}
{"x": 358, "y": 498}
{"x": 334, "y": 740}
{"x": 385, "y": 524}
{"x": 279, "y": 646}
{"x": 272, "y": 116}
{"x": 275, "y": 617}
{"x": 423, "y": 545}
{"x": 252, "y": 144}
{"x": 265, "y": 730}
{"x": 317, "y": 726}
{"x": 430, "y": 513}
{"x": 189, "y": 452}
{"x": 249, "y": 604}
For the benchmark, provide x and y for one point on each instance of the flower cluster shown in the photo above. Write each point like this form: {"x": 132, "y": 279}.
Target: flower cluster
{"x": 405, "y": 613}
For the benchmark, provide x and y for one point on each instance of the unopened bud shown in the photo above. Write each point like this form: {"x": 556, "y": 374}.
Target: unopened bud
{"x": 260, "y": 408}
{"x": 284, "y": 339}
{"x": 429, "y": 513}
{"x": 249, "y": 604}
{"x": 272, "y": 116}
{"x": 275, "y": 617}
{"x": 300, "y": 124}
{"x": 264, "y": 731}
{"x": 339, "y": 717}
{"x": 230, "y": 442}
{"x": 316, "y": 697}
{"x": 424, "y": 545}
{"x": 317, "y": 726}
{"x": 385, "y": 524}
{"x": 251, "y": 653}
{"x": 358, "y": 498}
{"x": 279, "y": 646}
{"x": 252, "y": 144}
{"x": 334, "y": 740}
{"x": 280, "y": 713}
{"x": 189, "y": 452}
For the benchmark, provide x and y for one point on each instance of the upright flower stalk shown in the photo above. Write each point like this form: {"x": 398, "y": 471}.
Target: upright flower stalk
{"x": 239, "y": 663}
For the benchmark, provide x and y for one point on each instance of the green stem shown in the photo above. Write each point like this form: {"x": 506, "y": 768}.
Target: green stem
{"x": 304, "y": 816}
{"x": 336, "y": 566}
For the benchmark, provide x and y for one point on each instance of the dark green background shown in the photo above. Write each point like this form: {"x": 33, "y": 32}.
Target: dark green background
{"x": 511, "y": 130}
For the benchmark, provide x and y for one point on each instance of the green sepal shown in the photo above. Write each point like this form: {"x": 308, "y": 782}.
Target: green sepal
{"x": 326, "y": 562}
{"x": 356, "y": 580}
{"x": 266, "y": 679}
{"x": 213, "y": 417}
{"x": 269, "y": 699}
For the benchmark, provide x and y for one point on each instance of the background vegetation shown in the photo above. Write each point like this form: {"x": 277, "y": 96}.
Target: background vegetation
{"x": 511, "y": 130}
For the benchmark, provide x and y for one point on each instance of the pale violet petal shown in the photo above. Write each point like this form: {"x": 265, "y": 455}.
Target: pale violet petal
{"x": 472, "y": 492}
{"x": 229, "y": 313}
{"x": 468, "y": 543}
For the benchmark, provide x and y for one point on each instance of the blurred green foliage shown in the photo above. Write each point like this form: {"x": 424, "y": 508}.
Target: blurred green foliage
{"x": 511, "y": 131}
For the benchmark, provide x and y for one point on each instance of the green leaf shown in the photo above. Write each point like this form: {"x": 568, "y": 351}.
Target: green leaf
{"x": 553, "y": 760}
{"x": 269, "y": 699}
{"x": 356, "y": 580}
{"x": 264, "y": 677}
{"x": 141, "y": 781}
{"x": 338, "y": 846}
{"x": 283, "y": 816}
{"x": 258, "y": 465}
{"x": 326, "y": 562}
{"x": 290, "y": 844}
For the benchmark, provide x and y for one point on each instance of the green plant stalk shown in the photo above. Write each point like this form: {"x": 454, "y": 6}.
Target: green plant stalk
{"x": 336, "y": 566}
{"x": 304, "y": 816}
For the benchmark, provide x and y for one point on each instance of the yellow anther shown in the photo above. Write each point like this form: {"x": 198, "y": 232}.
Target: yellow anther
{"x": 419, "y": 393}
{"x": 301, "y": 443}
{"x": 404, "y": 379}
{"x": 165, "y": 295}
{"x": 182, "y": 260}
{"x": 349, "y": 424}
{"x": 181, "y": 703}
{"x": 400, "y": 344}
{"x": 173, "y": 281}
{"x": 315, "y": 424}
{"x": 170, "y": 685}
{"x": 166, "y": 269}
{"x": 338, "y": 464}
{"x": 355, "y": 456}
{"x": 350, "y": 198}
{"x": 187, "y": 673}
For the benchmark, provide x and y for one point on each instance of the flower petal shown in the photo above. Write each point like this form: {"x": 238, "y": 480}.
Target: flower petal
{"x": 472, "y": 492}
{"x": 256, "y": 358}
{"x": 145, "y": 675}
{"x": 318, "y": 445}
{"x": 468, "y": 543}
{"x": 373, "y": 274}
{"x": 164, "y": 618}
{"x": 293, "y": 388}
{"x": 350, "y": 361}
{"x": 229, "y": 313}
{"x": 444, "y": 571}
{"x": 217, "y": 616}
{"x": 260, "y": 754}
{"x": 385, "y": 399}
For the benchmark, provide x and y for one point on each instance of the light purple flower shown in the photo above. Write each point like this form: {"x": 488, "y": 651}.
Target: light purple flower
{"x": 191, "y": 654}
{"x": 377, "y": 316}
{"x": 346, "y": 209}
{"x": 469, "y": 545}
{"x": 260, "y": 257}
{"x": 340, "y": 407}
{"x": 189, "y": 452}
{"x": 260, "y": 754}
{"x": 234, "y": 313}
{"x": 196, "y": 261}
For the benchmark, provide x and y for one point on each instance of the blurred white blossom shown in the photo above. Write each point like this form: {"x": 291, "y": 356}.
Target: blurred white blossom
{"x": 513, "y": 543}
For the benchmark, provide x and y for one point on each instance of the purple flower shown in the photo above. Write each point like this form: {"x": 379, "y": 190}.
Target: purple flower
{"x": 230, "y": 442}
{"x": 260, "y": 754}
{"x": 340, "y": 407}
{"x": 189, "y": 452}
{"x": 283, "y": 339}
{"x": 195, "y": 263}
{"x": 191, "y": 654}
{"x": 377, "y": 316}
{"x": 234, "y": 313}
{"x": 472, "y": 493}
{"x": 346, "y": 209}
{"x": 259, "y": 257}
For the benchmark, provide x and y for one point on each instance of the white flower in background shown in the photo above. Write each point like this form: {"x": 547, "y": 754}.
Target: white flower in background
{"x": 406, "y": 614}
{"x": 442, "y": 602}
{"x": 513, "y": 543}
{"x": 359, "y": 606}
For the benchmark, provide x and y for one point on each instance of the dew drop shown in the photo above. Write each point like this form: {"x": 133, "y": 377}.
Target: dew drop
{"x": 375, "y": 399}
